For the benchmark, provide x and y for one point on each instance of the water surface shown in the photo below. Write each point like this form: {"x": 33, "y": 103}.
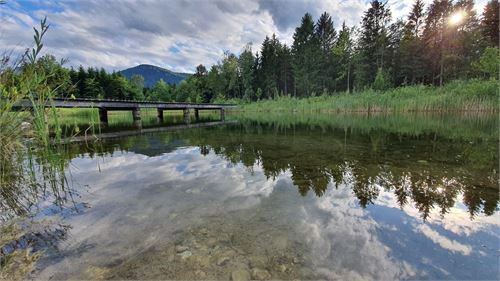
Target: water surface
{"x": 347, "y": 197}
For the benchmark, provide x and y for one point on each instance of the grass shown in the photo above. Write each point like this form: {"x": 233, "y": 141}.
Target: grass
{"x": 471, "y": 95}
{"x": 32, "y": 166}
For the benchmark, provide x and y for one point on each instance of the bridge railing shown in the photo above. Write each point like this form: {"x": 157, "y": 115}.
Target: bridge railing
{"x": 142, "y": 102}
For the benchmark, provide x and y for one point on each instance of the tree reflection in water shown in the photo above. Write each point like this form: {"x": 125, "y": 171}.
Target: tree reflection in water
{"x": 427, "y": 168}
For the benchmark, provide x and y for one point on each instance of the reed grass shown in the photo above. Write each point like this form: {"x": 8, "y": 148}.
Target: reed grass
{"x": 32, "y": 165}
{"x": 471, "y": 95}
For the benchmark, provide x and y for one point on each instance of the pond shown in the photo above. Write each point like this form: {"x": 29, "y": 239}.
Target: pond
{"x": 285, "y": 196}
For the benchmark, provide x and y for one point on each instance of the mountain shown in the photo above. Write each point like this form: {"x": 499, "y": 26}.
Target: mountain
{"x": 153, "y": 74}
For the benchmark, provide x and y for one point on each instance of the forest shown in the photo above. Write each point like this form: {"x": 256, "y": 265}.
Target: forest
{"x": 443, "y": 42}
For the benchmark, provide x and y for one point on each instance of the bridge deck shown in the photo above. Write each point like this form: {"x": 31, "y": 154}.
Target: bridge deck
{"x": 125, "y": 104}
{"x": 135, "y": 106}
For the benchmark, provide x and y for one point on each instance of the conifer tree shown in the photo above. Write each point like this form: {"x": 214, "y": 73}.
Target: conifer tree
{"x": 490, "y": 22}
{"x": 412, "y": 51}
{"x": 342, "y": 55}
{"x": 305, "y": 50}
{"x": 326, "y": 34}
{"x": 436, "y": 39}
{"x": 373, "y": 42}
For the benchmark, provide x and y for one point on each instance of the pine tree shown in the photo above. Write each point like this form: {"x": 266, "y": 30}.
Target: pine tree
{"x": 393, "y": 53}
{"x": 305, "y": 51}
{"x": 466, "y": 41}
{"x": 246, "y": 63}
{"x": 373, "y": 42}
{"x": 285, "y": 75}
{"x": 412, "y": 51}
{"x": 201, "y": 71}
{"x": 342, "y": 55}
{"x": 436, "y": 39}
{"x": 326, "y": 34}
{"x": 490, "y": 22}
{"x": 81, "y": 76}
{"x": 269, "y": 68}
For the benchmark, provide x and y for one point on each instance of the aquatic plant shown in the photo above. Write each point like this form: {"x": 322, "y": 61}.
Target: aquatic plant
{"x": 472, "y": 95}
{"x": 32, "y": 165}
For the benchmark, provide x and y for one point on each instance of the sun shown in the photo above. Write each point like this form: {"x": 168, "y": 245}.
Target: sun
{"x": 457, "y": 18}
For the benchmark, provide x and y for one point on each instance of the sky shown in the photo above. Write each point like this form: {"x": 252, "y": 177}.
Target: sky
{"x": 177, "y": 35}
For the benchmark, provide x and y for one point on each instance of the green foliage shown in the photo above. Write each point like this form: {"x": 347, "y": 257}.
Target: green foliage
{"x": 380, "y": 83}
{"x": 490, "y": 22}
{"x": 473, "y": 95}
{"x": 30, "y": 169}
{"x": 305, "y": 60}
{"x": 161, "y": 91}
{"x": 373, "y": 42}
{"x": 327, "y": 37}
{"x": 246, "y": 64}
{"x": 342, "y": 54}
{"x": 489, "y": 62}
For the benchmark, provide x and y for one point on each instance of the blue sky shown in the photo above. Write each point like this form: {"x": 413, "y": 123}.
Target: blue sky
{"x": 177, "y": 35}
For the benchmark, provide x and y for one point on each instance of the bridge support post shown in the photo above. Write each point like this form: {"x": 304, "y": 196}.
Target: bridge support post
{"x": 196, "y": 114}
{"x": 160, "y": 114}
{"x": 222, "y": 114}
{"x": 136, "y": 114}
{"x": 103, "y": 115}
{"x": 187, "y": 119}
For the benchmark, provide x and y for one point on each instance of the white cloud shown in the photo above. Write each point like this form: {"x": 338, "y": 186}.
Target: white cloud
{"x": 444, "y": 242}
{"x": 344, "y": 241}
{"x": 121, "y": 34}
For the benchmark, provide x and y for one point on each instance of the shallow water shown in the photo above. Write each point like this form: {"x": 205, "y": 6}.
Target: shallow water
{"x": 287, "y": 197}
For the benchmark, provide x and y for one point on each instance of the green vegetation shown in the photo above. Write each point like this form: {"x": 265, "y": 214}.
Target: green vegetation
{"x": 30, "y": 168}
{"x": 474, "y": 95}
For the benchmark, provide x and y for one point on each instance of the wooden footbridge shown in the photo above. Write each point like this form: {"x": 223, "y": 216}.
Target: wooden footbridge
{"x": 134, "y": 106}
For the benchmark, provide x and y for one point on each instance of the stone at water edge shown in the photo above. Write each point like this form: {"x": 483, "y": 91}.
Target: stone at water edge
{"x": 180, "y": 248}
{"x": 260, "y": 274}
{"x": 240, "y": 275}
{"x": 222, "y": 261}
{"x": 200, "y": 274}
{"x": 258, "y": 261}
{"x": 186, "y": 254}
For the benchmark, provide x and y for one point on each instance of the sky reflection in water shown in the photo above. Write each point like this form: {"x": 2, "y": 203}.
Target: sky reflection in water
{"x": 373, "y": 206}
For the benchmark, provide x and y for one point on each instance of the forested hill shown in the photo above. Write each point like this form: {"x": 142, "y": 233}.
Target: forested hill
{"x": 153, "y": 74}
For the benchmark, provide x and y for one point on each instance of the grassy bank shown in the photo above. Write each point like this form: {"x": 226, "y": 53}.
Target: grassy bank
{"x": 473, "y": 95}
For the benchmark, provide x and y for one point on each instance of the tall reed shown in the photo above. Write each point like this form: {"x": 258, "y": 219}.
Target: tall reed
{"x": 472, "y": 95}
{"x": 32, "y": 166}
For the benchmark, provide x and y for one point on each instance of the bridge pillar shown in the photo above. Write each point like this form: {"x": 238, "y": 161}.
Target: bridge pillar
{"x": 187, "y": 119}
{"x": 222, "y": 114}
{"x": 196, "y": 114}
{"x": 160, "y": 114}
{"x": 103, "y": 115}
{"x": 136, "y": 114}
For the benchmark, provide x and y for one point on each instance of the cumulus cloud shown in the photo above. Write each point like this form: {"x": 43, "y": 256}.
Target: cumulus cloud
{"x": 344, "y": 240}
{"x": 121, "y": 34}
{"x": 444, "y": 242}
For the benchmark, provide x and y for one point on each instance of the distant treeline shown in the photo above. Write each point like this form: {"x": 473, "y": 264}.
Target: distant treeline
{"x": 436, "y": 44}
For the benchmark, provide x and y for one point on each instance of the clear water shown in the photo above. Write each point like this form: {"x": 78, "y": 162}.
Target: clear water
{"x": 287, "y": 197}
